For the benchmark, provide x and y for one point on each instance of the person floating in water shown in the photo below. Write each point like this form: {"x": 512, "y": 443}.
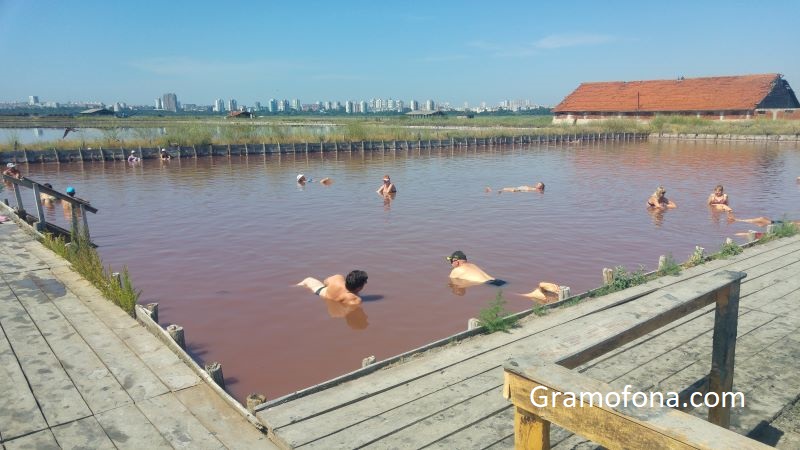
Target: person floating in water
{"x": 47, "y": 199}
{"x": 659, "y": 200}
{"x": 719, "y": 199}
{"x": 538, "y": 187}
{"x": 544, "y": 293}
{"x": 764, "y": 221}
{"x": 468, "y": 272}
{"x": 302, "y": 180}
{"x": 337, "y": 288}
{"x": 387, "y": 187}
{"x": 164, "y": 155}
{"x": 132, "y": 157}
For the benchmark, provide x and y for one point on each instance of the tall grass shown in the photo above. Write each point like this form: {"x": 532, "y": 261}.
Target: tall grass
{"x": 87, "y": 262}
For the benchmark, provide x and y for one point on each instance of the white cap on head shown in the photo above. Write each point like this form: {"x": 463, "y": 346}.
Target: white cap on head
{"x": 299, "y": 176}
{"x": 11, "y": 165}
{"x": 133, "y": 151}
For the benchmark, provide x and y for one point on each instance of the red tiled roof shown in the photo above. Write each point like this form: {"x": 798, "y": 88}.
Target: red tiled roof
{"x": 690, "y": 94}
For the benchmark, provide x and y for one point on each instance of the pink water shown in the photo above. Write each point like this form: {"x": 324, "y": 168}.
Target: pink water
{"x": 219, "y": 242}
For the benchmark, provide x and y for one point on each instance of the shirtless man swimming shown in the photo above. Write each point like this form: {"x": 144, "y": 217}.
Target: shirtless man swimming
{"x": 466, "y": 271}
{"x": 338, "y": 289}
{"x": 538, "y": 187}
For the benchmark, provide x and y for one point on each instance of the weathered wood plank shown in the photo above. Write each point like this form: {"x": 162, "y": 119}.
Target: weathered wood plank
{"x": 85, "y": 433}
{"x": 224, "y": 422}
{"x": 178, "y": 426}
{"x": 129, "y": 429}
{"x": 19, "y": 413}
{"x": 173, "y": 372}
{"x": 57, "y": 397}
{"x": 134, "y": 376}
{"x": 613, "y": 426}
{"x": 96, "y": 384}
{"x": 41, "y": 440}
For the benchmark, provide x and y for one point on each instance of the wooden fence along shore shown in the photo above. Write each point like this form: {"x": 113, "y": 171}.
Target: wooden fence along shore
{"x": 121, "y": 153}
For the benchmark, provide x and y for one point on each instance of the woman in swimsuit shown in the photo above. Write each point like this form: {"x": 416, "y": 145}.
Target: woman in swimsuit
{"x": 719, "y": 199}
{"x": 659, "y": 201}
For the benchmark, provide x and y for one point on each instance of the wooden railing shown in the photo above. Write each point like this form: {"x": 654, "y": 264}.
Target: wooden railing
{"x": 41, "y": 222}
{"x": 631, "y": 426}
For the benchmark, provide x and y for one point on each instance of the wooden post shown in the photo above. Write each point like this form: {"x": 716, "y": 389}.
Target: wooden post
{"x": 214, "y": 370}
{"x": 176, "y": 333}
{"x": 728, "y": 241}
{"x": 85, "y": 221}
{"x": 564, "y": 293}
{"x": 153, "y": 309}
{"x": 751, "y": 235}
{"x": 720, "y": 380}
{"x": 74, "y": 216}
{"x": 530, "y": 432}
{"x": 473, "y": 323}
{"x": 253, "y": 400}
{"x": 662, "y": 262}
{"x": 39, "y": 209}
{"x": 56, "y": 153}
{"x": 770, "y": 228}
{"x": 608, "y": 275}
{"x": 368, "y": 361}
{"x": 18, "y": 196}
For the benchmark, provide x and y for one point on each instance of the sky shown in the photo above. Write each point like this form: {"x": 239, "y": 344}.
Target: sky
{"x": 449, "y": 51}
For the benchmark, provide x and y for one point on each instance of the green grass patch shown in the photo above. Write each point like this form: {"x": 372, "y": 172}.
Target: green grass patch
{"x": 494, "y": 317}
{"x": 622, "y": 280}
{"x": 697, "y": 257}
{"x": 87, "y": 262}
{"x": 540, "y": 310}
{"x": 728, "y": 249}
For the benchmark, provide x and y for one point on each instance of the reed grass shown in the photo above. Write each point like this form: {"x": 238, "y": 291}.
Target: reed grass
{"x": 87, "y": 262}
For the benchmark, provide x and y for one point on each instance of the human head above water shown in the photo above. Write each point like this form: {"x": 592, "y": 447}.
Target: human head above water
{"x": 387, "y": 179}
{"x": 660, "y": 191}
{"x": 70, "y": 191}
{"x": 719, "y": 189}
{"x": 355, "y": 281}
{"x": 457, "y": 255}
{"x": 539, "y": 186}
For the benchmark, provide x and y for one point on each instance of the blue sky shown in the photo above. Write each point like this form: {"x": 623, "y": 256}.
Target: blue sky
{"x": 473, "y": 51}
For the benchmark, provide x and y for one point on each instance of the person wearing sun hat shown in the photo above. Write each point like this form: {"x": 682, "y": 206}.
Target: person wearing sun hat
{"x": 466, "y": 271}
{"x": 133, "y": 157}
{"x": 12, "y": 171}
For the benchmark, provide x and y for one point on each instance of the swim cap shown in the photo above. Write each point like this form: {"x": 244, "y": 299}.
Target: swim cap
{"x": 70, "y": 190}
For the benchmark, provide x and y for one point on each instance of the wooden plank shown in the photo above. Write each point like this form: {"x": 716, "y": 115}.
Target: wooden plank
{"x": 84, "y": 433}
{"x": 317, "y": 403}
{"x": 339, "y": 433}
{"x": 176, "y": 424}
{"x": 530, "y": 431}
{"x": 135, "y": 377}
{"x": 42, "y": 440}
{"x": 91, "y": 377}
{"x": 623, "y": 425}
{"x": 129, "y": 429}
{"x": 487, "y": 432}
{"x": 19, "y": 413}
{"x": 164, "y": 363}
{"x": 720, "y": 380}
{"x": 57, "y": 397}
{"x": 224, "y": 422}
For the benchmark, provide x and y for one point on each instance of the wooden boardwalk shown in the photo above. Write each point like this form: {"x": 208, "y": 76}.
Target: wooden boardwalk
{"x": 77, "y": 372}
{"x": 451, "y": 397}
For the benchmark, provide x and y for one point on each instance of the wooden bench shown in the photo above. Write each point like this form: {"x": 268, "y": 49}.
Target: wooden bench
{"x": 632, "y": 427}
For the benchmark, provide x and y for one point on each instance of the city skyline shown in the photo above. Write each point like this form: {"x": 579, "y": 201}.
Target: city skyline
{"x": 451, "y": 52}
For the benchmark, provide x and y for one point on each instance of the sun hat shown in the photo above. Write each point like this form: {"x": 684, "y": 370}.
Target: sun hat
{"x": 133, "y": 151}
{"x": 11, "y": 165}
{"x": 299, "y": 176}
{"x": 70, "y": 190}
{"x": 457, "y": 255}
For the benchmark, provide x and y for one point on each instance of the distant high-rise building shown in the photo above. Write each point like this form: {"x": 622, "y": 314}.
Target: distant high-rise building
{"x": 170, "y": 102}
{"x": 33, "y": 100}
{"x": 296, "y": 104}
{"x": 337, "y": 105}
{"x": 273, "y": 105}
{"x": 362, "y": 106}
{"x": 257, "y": 106}
{"x": 413, "y": 105}
{"x": 117, "y": 107}
{"x": 390, "y": 105}
{"x": 219, "y": 105}
{"x": 283, "y": 105}
{"x": 348, "y": 107}
{"x": 429, "y": 105}
{"x": 400, "y": 106}
{"x": 232, "y": 105}
{"x": 159, "y": 104}
{"x": 327, "y": 105}
{"x": 378, "y": 104}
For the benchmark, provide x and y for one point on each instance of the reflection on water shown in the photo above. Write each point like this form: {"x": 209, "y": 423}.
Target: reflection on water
{"x": 219, "y": 242}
